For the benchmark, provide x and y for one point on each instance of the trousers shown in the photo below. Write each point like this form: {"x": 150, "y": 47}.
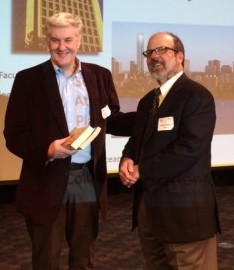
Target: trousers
{"x": 158, "y": 255}
{"x": 77, "y": 223}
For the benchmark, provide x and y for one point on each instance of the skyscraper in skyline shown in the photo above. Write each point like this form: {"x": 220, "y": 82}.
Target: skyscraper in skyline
{"x": 140, "y": 49}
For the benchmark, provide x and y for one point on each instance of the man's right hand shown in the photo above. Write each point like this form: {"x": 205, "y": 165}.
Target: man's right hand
{"x": 57, "y": 150}
{"x": 128, "y": 172}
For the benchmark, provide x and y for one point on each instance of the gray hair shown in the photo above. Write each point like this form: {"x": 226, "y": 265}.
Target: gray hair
{"x": 63, "y": 19}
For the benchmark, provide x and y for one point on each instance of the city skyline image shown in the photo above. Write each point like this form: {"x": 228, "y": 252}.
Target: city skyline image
{"x": 202, "y": 42}
{"x": 209, "y": 60}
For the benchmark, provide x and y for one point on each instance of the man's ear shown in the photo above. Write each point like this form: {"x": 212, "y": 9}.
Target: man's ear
{"x": 180, "y": 57}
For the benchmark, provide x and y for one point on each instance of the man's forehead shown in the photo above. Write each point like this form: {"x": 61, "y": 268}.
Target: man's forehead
{"x": 161, "y": 40}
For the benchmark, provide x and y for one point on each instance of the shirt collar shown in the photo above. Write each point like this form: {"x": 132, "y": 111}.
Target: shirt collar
{"x": 165, "y": 88}
{"x": 58, "y": 70}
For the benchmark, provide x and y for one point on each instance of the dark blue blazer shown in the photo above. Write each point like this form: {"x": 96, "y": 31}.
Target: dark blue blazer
{"x": 175, "y": 163}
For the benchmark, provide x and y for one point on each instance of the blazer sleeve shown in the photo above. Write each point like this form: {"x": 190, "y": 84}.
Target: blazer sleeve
{"x": 24, "y": 135}
{"x": 118, "y": 123}
{"x": 121, "y": 124}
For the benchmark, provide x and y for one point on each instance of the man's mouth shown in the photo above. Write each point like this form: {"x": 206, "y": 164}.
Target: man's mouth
{"x": 156, "y": 65}
{"x": 62, "y": 54}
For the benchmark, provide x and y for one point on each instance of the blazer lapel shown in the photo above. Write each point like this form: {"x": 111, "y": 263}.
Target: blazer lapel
{"x": 53, "y": 96}
{"x": 92, "y": 88}
{"x": 172, "y": 94}
{"x": 152, "y": 122}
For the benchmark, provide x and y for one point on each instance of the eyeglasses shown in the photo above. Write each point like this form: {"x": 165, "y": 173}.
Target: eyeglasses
{"x": 158, "y": 51}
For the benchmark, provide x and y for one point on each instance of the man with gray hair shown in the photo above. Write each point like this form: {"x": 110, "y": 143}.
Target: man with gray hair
{"x": 61, "y": 190}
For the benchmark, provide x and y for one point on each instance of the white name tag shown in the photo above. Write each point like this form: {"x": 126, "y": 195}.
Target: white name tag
{"x": 106, "y": 112}
{"x": 165, "y": 123}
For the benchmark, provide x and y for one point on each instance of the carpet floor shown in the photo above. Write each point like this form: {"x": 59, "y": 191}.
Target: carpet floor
{"x": 117, "y": 248}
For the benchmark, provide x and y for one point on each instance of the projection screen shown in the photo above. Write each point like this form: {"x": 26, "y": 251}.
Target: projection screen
{"x": 117, "y": 33}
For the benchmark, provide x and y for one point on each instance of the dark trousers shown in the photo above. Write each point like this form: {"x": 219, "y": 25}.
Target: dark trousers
{"x": 199, "y": 255}
{"x": 77, "y": 221}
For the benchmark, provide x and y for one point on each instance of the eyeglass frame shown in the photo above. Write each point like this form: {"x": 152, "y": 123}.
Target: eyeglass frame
{"x": 157, "y": 51}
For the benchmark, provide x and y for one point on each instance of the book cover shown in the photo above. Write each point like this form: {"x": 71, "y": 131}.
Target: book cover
{"x": 81, "y": 137}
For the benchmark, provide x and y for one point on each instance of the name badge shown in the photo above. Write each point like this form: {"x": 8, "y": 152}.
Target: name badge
{"x": 106, "y": 112}
{"x": 165, "y": 123}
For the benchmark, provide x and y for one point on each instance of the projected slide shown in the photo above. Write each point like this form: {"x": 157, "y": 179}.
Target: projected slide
{"x": 116, "y": 34}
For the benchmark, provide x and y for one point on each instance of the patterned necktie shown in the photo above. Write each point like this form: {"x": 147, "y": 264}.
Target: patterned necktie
{"x": 156, "y": 100}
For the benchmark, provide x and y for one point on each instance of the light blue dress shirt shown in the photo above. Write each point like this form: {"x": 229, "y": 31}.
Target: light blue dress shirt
{"x": 75, "y": 100}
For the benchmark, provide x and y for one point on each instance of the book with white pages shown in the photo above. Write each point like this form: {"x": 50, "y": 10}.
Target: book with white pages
{"x": 81, "y": 137}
